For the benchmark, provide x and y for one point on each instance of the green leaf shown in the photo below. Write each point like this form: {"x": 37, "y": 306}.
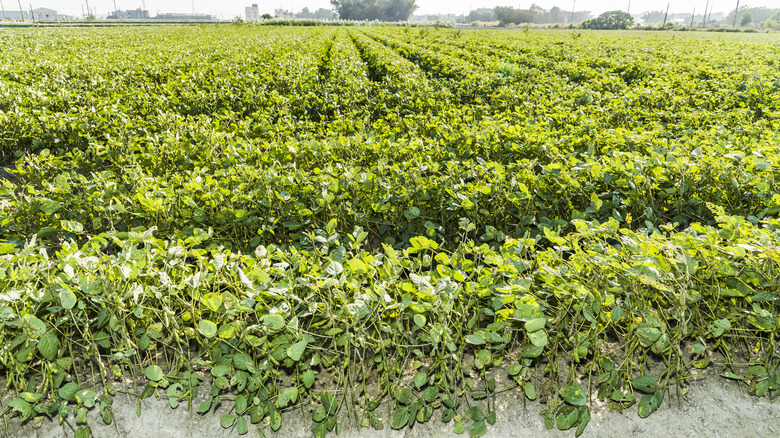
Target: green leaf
{"x": 289, "y": 395}
{"x": 22, "y": 407}
{"x": 30, "y": 397}
{"x": 535, "y": 324}
{"x": 72, "y": 226}
{"x": 412, "y": 213}
{"x": 67, "y": 298}
{"x": 276, "y": 420}
{"x": 584, "y": 416}
{"x": 616, "y": 314}
{"x": 404, "y": 396}
{"x": 204, "y": 407}
{"x": 420, "y": 379}
{"x": 273, "y": 321}
{"x": 475, "y": 339}
{"x": 7, "y": 248}
{"x": 241, "y": 426}
{"x": 295, "y": 351}
{"x": 243, "y": 361}
{"x": 459, "y": 428}
{"x": 207, "y": 328}
{"x": 567, "y": 417}
{"x": 50, "y": 207}
{"x": 154, "y": 373}
{"x": 529, "y": 390}
{"x": 730, "y": 375}
{"x": 358, "y": 266}
{"x": 400, "y": 417}
{"x": 334, "y": 268}
{"x": 649, "y": 403}
{"x": 646, "y": 384}
{"x": 68, "y": 391}
{"x": 573, "y": 394}
{"x": 83, "y": 432}
{"x": 477, "y": 429}
{"x": 720, "y": 326}
{"x": 308, "y": 378}
{"x": 431, "y": 394}
{"x": 48, "y": 345}
{"x": 213, "y": 301}
{"x": 86, "y": 397}
{"x": 475, "y": 413}
{"x": 240, "y": 404}
{"x": 538, "y": 338}
{"x": 419, "y": 320}
{"x": 227, "y": 420}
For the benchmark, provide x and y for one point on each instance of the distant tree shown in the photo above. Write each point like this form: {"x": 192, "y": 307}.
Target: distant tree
{"x": 266, "y": 16}
{"x": 746, "y": 19}
{"x": 611, "y": 20}
{"x": 772, "y": 23}
{"x": 324, "y": 14}
{"x": 382, "y": 10}
{"x": 481, "y": 14}
{"x": 509, "y": 15}
{"x": 758, "y": 15}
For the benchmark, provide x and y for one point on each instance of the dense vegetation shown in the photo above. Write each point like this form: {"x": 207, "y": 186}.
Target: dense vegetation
{"x": 346, "y": 218}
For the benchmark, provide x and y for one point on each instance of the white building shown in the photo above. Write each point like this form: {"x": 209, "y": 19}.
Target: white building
{"x": 252, "y": 12}
{"x": 39, "y": 14}
{"x": 137, "y": 14}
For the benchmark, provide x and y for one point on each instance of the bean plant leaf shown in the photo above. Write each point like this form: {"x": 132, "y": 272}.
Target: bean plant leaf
{"x": 295, "y": 351}
{"x": 573, "y": 394}
{"x": 207, "y": 328}
{"x": 154, "y": 373}
{"x": 48, "y": 345}
{"x": 567, "y": 417}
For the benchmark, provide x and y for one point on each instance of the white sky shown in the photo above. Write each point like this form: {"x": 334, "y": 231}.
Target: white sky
{"x": 230, "y": 8}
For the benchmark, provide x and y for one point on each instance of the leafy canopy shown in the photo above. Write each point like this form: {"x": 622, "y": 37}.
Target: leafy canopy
{"x": 382, "y": 10}
{"x": 611, "y": 20}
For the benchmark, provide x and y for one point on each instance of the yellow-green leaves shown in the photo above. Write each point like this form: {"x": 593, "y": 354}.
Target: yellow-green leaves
{"x": 207, "y": 328}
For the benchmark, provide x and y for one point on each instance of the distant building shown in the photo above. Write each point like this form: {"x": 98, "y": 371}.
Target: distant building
{"x": 39, "y": 14}
{"x": 252, "y": 12}
{"x": 177, "y": 16}
{"x": 282, "y": 14}
{"x": 137, "y": 14}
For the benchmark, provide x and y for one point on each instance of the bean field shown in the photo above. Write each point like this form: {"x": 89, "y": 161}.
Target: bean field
{"x": 390, "y": 224}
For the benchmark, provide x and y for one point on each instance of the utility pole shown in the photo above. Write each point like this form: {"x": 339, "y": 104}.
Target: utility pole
{"x": 704, "y": 18}
{"x": 3, "y": 7}
{"x": 628, "y": 11}
{"x": 693, "y": 15}
{"x": 116, "y": 11}
{"x": 735, "y": 14}
{"x": 21, "y": 9}
{"x": 83, "y": 15}
{"x": 88, "y": 11}
{"x": 573, "y": 3}
{"x": 666, "y": 15}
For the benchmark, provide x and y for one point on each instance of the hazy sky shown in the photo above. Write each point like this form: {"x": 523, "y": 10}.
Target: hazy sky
{"x": 230, "y": 8}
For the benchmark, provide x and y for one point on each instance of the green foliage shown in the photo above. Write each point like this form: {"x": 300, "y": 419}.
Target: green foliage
{"x": 299, "y": 211}
{"x": 509, "y": 15}
{"x": 381, "y": 10}
{"x": 746, "y": 19}
{"x": 610, "y": 20}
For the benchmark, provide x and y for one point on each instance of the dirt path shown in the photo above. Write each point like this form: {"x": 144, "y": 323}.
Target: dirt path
{"x": 714, "y": 407}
